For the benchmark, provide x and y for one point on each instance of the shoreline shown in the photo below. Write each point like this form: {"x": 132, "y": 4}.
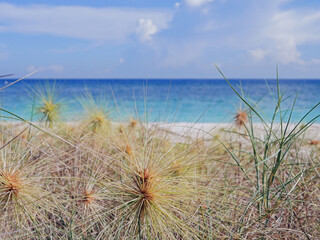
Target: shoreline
{"x": 192, "y": 131}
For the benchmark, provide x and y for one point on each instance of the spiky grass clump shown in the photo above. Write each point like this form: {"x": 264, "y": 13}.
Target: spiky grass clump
{"x": 153, "y": 204}
{"x": 11, "y": 186}
{"x": 96, "y": 118}
{"x": 48, "y": 108}
{"x": 152, "y": 192}
{"x": 98, "y": 121}
{"x": 88, "y": 196}
{"x": 26, "y": 203}
{"x": 89, "y": 202}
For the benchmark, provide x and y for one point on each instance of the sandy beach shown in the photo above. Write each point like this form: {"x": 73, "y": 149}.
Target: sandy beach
{"x": 186, "y": 131}
{"x": 207, "y": 131}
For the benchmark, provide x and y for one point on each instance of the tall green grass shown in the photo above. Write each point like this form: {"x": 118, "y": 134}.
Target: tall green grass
{"x": 275, "y": 165}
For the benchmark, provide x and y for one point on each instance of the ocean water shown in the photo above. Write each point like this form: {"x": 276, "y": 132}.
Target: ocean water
{"x": 182, "y": 100}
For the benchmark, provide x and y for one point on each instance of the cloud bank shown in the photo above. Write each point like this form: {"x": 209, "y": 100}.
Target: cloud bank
{"x": 98, "y": 24}
{"x": 283, "y": 33}
{"x": 290, "y": 29}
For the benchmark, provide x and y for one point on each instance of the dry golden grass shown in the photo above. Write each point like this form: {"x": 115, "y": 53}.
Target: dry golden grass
{"x": 94, "y": 179}
{"x": 136, "y": 183}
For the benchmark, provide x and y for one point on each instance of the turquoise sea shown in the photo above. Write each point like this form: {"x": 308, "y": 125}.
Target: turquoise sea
{"x": 180, "y": 100}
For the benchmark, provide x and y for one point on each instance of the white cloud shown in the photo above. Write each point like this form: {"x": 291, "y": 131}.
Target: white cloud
{"x": 258, "y": 54}
{"x": 99, "y": 24}
{"x": 287, "y": 30}
{"x": 177, "y": 4}
{"x": 197, "y": 3}
{"x": 146, "y": 28}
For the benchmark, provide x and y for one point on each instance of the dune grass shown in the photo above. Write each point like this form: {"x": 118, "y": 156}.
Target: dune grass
{"x": 97, "y": 179}
{"x": 47, "y": 105}
{"x": 96, "y": 118}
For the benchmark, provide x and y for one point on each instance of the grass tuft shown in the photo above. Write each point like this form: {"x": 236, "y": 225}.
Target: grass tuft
{"x": 48, "y": 108}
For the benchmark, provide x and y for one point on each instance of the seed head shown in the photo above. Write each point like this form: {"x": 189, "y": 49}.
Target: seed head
{"x": 144, "y": 189}
{"x": 133, "y": 123}
{"x": 128, "y": 150}
{"x": 88, "y": 197}
{"x": 314, "y": 142}
{"x": 11, "y": 185}
{"x": 241, "y": 118}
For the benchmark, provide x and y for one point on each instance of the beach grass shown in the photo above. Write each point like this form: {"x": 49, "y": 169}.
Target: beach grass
{"x": 94, "y": 178}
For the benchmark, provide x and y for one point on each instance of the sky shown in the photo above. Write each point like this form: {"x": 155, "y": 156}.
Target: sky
{"x": 160, "y": 39}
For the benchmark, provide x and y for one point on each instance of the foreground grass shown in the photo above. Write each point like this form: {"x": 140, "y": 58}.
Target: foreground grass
{"x": 95, "y": 179}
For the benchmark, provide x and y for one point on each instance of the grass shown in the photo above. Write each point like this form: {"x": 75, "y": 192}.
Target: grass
{"x": 48, "y": 108}
{"x": 96, "y": 117}
{"x": 26, "y": 190}
{"x": 97, "y": 179}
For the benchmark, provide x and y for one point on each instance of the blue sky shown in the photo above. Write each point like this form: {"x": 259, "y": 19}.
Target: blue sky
{"x": 160, "y": 39}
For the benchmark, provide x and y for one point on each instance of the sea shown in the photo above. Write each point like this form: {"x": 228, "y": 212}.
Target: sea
{"x": 166, "y": 100}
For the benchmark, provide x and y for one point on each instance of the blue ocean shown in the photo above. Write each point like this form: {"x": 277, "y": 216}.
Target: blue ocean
{"x": 181, "y": 100}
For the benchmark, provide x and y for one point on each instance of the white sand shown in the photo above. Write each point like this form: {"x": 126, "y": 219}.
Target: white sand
{"x": 184, "y": 131}
{"x": 207, "y": 131}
